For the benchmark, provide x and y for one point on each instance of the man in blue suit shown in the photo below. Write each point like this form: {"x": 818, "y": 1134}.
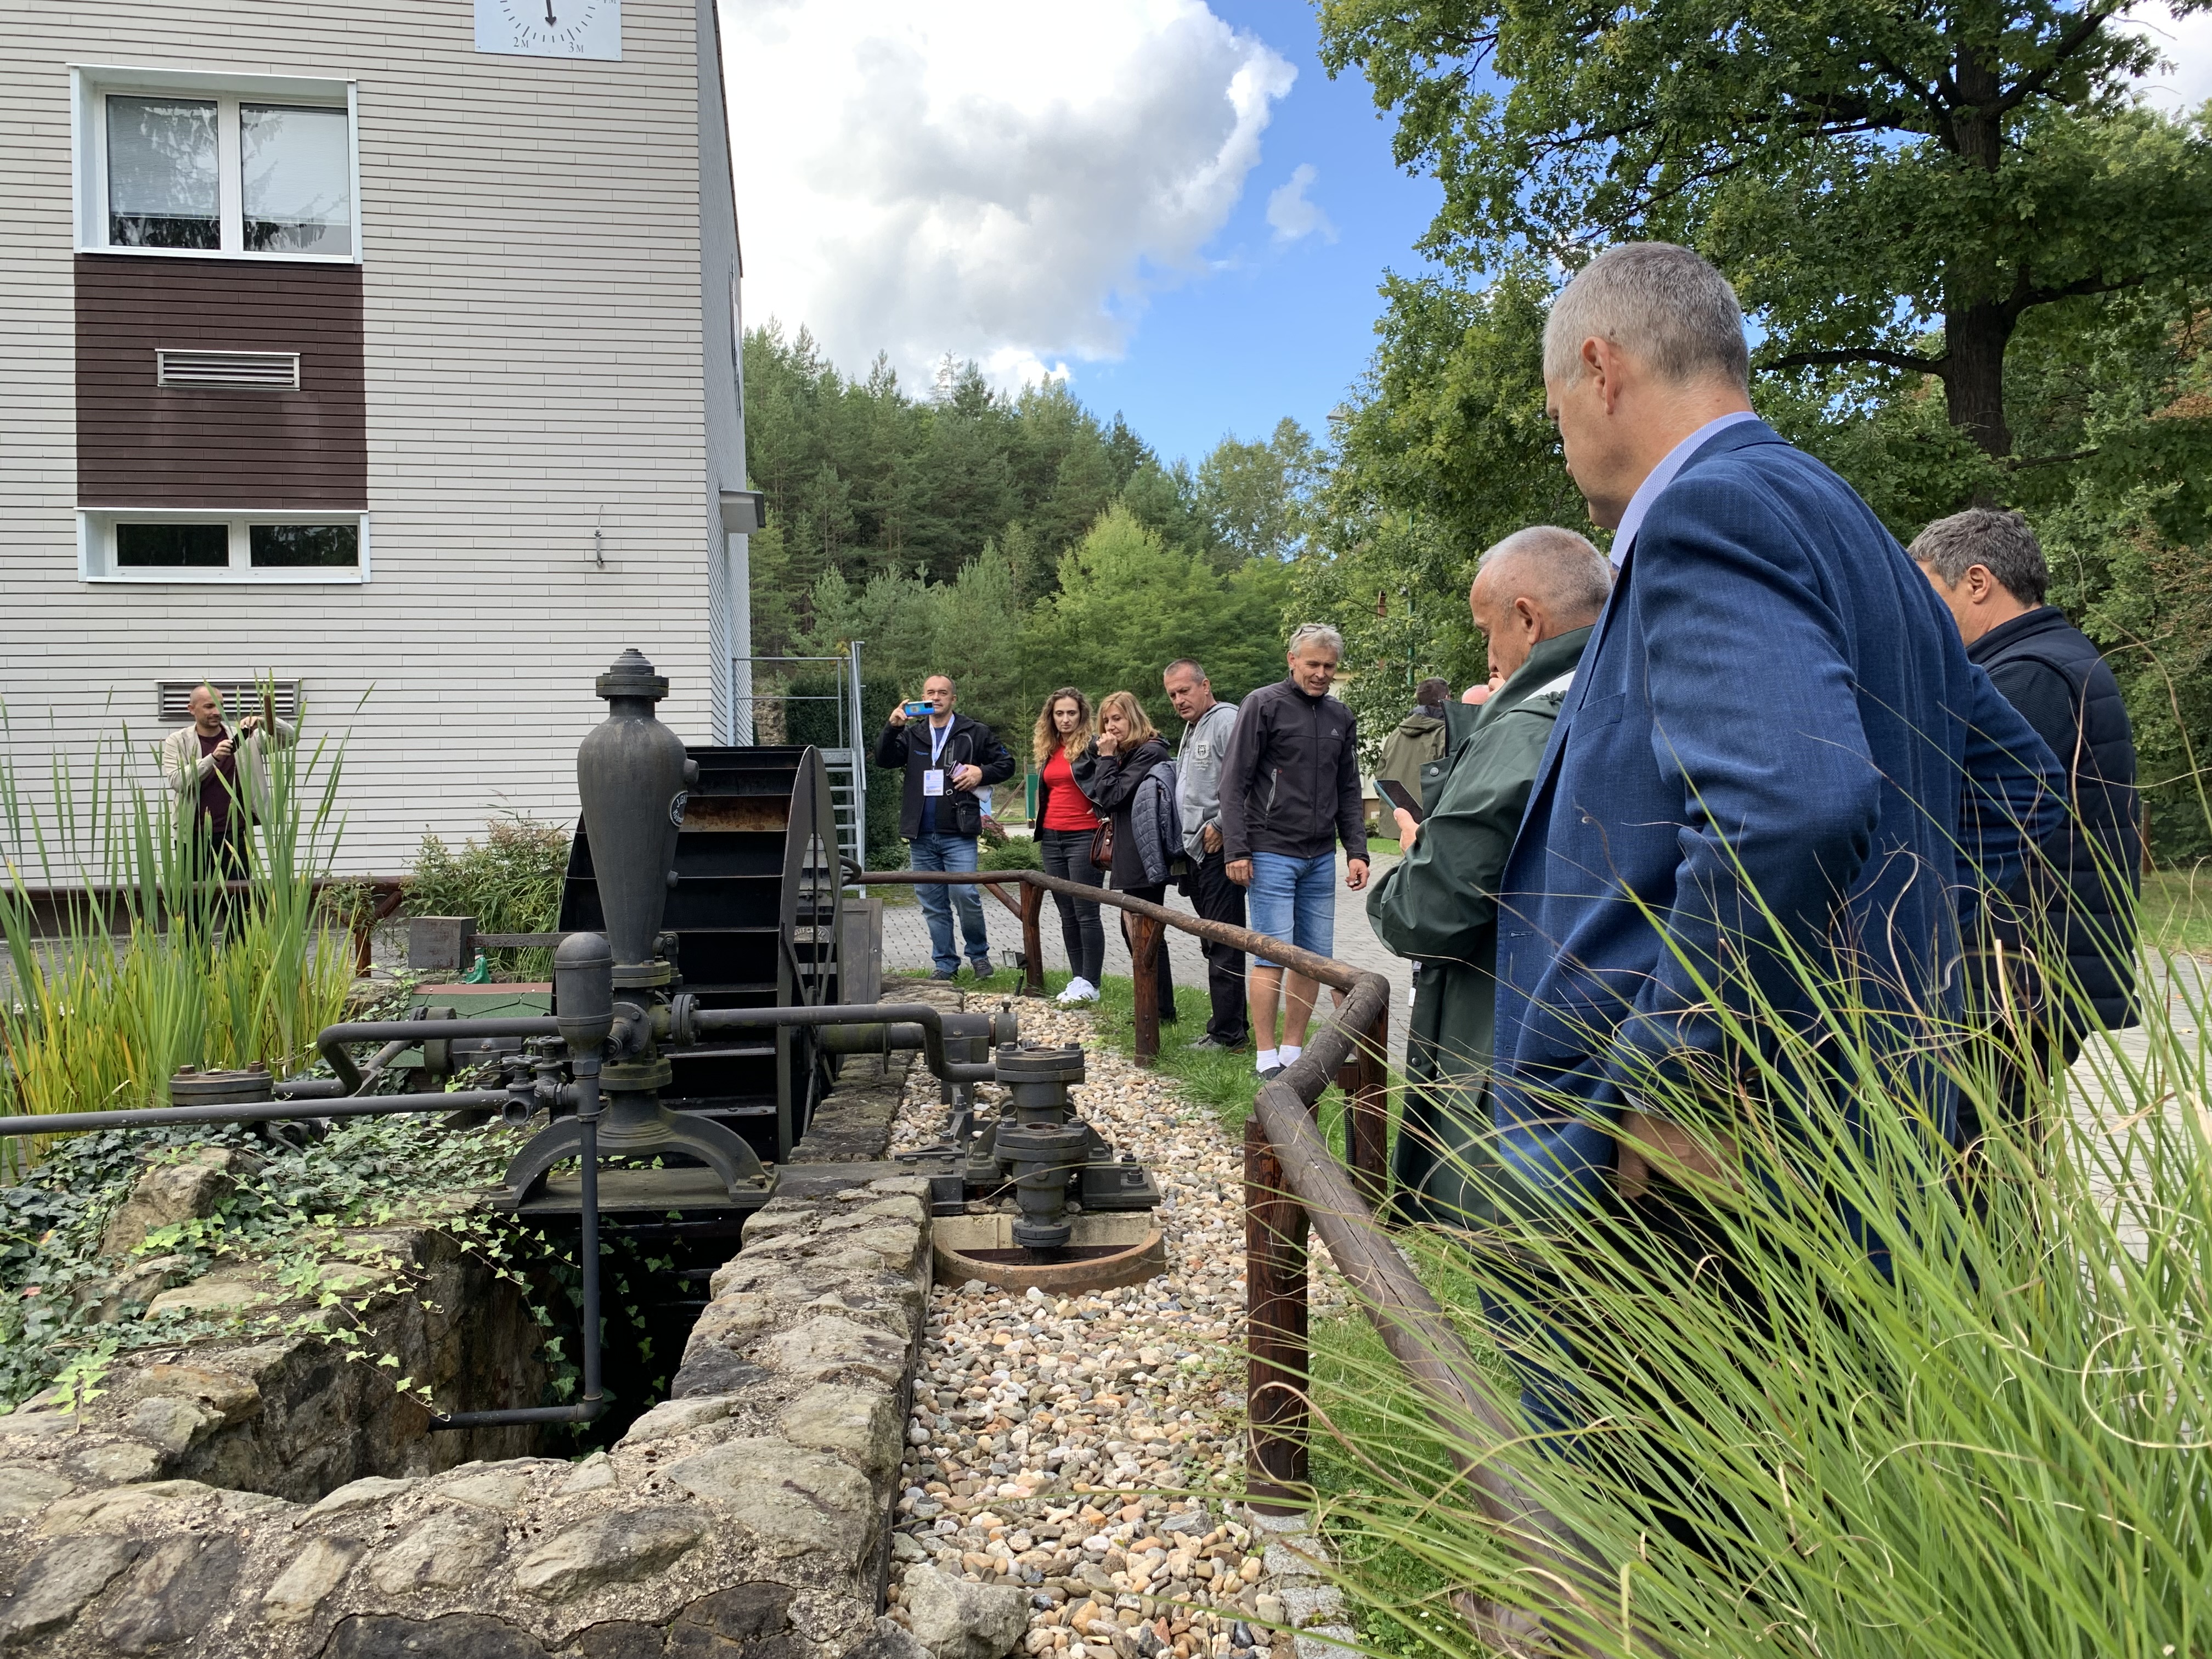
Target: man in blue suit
{"x": 1774, "y": 743}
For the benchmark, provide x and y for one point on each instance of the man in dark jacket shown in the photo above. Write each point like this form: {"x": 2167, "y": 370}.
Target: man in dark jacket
{"x": 1534, "y": 597}
{"x": 947, "y": 759}
{"x": 1289, "y": 789}
{"x": 2078, "y": 899}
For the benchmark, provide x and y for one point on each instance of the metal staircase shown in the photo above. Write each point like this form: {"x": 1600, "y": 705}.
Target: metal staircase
{"x": 827, "y": 716}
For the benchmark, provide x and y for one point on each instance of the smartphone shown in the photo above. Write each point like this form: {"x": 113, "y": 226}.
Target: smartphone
{"x": 1399, "y": 796}
{"x": 919, "y": 709}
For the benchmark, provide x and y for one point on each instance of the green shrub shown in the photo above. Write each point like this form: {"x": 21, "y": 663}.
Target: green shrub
{"x": 1010, "y": 853}
{"x": 510, "y": 882}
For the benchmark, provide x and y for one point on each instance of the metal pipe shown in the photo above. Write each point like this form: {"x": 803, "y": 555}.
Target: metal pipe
{"x": 332, "y": 1044}
{"x": 931, "y": 1021}
{"x": 274, "y": 1111}
{"x": 330, "y": 1088}
{"x": 876, "y": 1039}
{"x": 594, "y": 1400}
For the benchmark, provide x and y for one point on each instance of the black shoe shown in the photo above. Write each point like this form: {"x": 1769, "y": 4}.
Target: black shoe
{"x": 1211, "y": 1044}
{"x": 981, "y": 969}
{"x": 1271, "y": 1073}
{"x": 945, "y": 974}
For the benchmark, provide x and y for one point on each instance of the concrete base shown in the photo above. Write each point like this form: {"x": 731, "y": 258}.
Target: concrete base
{"x": 1120, "y": 1250}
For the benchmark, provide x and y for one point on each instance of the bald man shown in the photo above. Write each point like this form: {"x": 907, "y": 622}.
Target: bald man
{"x": 1535, "y": 596}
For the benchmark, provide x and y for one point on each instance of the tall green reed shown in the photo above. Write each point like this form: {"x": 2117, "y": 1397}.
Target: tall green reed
{"x": 149, "y": 964}
{"x": 1991, "y": 1436}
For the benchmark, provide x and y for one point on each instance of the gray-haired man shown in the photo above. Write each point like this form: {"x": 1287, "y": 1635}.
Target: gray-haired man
{"x": 1208, "y": 722}
{"x": 1290, "y": 790}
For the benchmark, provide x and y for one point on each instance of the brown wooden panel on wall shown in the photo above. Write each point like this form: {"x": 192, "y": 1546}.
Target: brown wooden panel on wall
{"x": 141, "y": 444}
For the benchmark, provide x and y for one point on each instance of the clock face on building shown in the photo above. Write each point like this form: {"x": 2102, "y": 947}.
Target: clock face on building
{"x": 550, "y": 28}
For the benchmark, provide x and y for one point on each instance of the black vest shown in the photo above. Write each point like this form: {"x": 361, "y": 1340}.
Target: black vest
{"x": 2086, "y": 885}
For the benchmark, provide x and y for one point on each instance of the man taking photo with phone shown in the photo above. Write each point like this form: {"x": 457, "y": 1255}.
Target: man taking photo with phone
{"x": 946, "y": 758}
{"x": 220, "y": 778}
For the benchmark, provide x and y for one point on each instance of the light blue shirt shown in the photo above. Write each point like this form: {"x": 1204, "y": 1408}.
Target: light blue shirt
{"x": 1654, "y": 484}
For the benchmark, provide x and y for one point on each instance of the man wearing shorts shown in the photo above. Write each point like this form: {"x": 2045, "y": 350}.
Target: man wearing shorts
{"x": 1290, "y": 790}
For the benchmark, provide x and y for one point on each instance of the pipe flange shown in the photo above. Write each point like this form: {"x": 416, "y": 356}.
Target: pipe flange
{"x": 636, "y": 1075}
{"x": 1043, "y": 1236}
{"x": 1027, "y": 1063}
{"x": 1063, "y": 1144}
{"x": 194, "y": 1087}
{"x": 632, "y": 676}
{"x": 643, "y": 975}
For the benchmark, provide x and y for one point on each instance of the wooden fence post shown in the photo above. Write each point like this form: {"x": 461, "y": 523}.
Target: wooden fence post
{"x": 1367, "y": 1129}
{"x": 1145, "y": 971}
{"x": 1033, "y": 939}
{"x": 1275, "y": 1402}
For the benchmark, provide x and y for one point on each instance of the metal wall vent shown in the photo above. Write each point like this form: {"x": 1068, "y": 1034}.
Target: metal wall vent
{"x": 173, "y": 698}
{"x": 238, "y": 371}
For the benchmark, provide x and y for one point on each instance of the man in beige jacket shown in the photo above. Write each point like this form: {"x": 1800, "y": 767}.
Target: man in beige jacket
{"x": 220, "y": 777}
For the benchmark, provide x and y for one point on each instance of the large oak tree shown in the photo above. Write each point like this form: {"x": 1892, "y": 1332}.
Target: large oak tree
{"x": 1894, "y": 182}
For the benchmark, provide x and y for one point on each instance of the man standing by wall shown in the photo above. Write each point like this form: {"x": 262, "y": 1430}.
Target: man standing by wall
{"x": 1535, "y": 595}
{"x": 1206, "y": 724}
{"x": 220, "y": 778}
{"x": 1289, "y": 789}
{"x": 2077, "y": 900}
{"x": 946, "y": 758}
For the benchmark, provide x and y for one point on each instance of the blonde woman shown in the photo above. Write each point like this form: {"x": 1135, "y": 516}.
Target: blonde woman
{"x": 1131, "y": 781}
{"x": 1065, "y": 825}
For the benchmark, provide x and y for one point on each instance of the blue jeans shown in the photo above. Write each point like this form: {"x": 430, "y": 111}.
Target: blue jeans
{"x": 1294, "y": 899}
{"x": 935, "y": 851}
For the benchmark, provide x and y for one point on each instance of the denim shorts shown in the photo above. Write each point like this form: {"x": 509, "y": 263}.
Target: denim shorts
{"x": 1294, "y": 899}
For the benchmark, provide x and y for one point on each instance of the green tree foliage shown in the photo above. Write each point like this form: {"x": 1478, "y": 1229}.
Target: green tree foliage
{"x": 1864, "y": 172}
{"x": 1130, "y": 602}
{"x": 939, "y": 531}
{"x": 1974, "y": 265}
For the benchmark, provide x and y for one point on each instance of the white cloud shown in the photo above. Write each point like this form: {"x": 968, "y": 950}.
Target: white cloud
{"x": 1291, "y": 214}
{"x": 2186, "y": 43}
{"x": 998, "y": 179}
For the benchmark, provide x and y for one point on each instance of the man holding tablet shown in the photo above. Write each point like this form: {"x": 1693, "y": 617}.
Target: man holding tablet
{"x": 1535, "y": 596}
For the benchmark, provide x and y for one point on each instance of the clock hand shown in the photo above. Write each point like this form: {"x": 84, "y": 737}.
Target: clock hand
{"x": 548, "y": 14}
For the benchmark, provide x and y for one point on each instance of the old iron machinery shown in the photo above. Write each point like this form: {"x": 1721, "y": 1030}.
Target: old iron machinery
{"x": 632, "y": 776}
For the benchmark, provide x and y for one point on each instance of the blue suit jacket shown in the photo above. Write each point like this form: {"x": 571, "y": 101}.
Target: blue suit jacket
{"x": 1775, "y": 702}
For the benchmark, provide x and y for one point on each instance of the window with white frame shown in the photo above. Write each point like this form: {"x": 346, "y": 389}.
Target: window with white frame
{"x": 159, "y": 544}
{"x": 241, "y": 166}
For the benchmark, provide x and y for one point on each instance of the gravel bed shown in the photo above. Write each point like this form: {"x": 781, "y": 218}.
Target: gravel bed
{"x": 1083, "y": 1447}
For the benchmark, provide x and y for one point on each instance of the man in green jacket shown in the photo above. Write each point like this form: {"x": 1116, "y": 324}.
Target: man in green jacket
{"x": 1535, "y": 596}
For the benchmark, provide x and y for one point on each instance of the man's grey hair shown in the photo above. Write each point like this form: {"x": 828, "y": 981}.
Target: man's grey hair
{"x": 951, "y": 684}
{"x": 1661, "y": 303}
{"x": 1191, "y": 663}
{"x": 2001, "y": 542}
{"x": 1561, "y": 570}
{"x": 1316, "y": 634}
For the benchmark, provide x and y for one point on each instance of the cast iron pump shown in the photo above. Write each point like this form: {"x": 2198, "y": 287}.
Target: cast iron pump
{"x": 631, "y": 779}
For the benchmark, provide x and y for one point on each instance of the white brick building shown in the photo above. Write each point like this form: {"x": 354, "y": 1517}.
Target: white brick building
{"x": 387, "y": 348}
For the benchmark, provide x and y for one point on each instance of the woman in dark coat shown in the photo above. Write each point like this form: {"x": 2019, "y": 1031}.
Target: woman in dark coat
{"x": 1065, "y": 825}
{"x": 1112, "y": 775}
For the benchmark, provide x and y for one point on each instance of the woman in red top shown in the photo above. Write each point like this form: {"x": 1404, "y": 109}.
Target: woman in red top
{"x": 1065, "y": 825}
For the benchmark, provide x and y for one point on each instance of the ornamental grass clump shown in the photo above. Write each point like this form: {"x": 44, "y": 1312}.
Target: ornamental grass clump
{"x": 148, "y": 967}
{"x": 1893, "y": 1401}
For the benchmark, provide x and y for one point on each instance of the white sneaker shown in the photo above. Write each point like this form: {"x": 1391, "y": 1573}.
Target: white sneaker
{"x": 1079, "y": 992}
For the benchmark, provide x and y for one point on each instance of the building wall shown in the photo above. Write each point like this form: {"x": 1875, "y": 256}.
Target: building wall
{"x": 537, "y": 389}
{"x": 720, "y": 328}
{"x": 139, "y": 444}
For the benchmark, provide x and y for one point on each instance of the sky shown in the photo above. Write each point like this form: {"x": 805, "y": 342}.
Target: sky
{"x": 1166, "y": 204}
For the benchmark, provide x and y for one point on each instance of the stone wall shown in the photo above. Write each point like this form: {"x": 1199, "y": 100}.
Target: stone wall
{"x": 748, "y": 1515}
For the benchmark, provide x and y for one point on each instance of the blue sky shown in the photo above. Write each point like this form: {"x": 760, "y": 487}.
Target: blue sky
{"x": 1277, "y": 329}
{"x": 1165, "y": 202}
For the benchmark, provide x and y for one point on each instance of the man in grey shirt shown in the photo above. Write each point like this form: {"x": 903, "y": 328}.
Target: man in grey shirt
{"x": 1208, "y": 723}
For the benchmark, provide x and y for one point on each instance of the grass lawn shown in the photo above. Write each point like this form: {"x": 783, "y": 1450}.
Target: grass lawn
{"x": 2177, "y": 910}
